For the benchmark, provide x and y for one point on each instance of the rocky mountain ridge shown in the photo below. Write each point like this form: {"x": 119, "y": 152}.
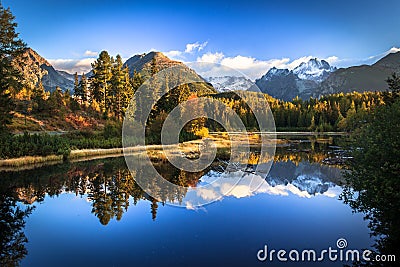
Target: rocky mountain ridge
{"x": 302, "y": 81}
{"x": 35, "y": 68}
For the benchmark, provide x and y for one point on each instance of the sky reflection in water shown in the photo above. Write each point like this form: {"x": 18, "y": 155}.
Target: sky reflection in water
{"x": 296, "y": 208}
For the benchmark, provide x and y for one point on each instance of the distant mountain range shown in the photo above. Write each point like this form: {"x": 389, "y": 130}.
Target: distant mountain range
{"x": 310, "y": 79}
{"x": 280, "y": 83}
{"x": 316, "y": 78}
{"x": 302, "y": 81}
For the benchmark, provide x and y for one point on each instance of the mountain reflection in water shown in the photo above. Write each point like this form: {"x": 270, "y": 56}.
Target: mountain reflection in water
{"x": 108, "y": 184}
{"x": 111, "y": 190}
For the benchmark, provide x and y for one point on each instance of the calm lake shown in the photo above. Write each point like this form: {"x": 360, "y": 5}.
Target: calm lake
{"x": 92, "y": 213}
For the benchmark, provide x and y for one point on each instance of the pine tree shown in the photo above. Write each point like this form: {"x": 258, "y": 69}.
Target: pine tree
{"x": 352, "y": 110}
{"x": 153, "y": 67}
{"x": 394, "y": 83}
{"x": 67, "y": 98}
{"x": 154, "y": 207}
{"x": 128, "y": 92}
{"x": 83, "y": 89}
{"x": 118, "y": 83}
{"x": 312, "y": 124}
{"x": 100, "y": 85}
{"x": 76, "y": 85}
{"x": 39, "y": 97}
{"x": 56, "y": 100}
{"x": 78, "y": 94}
{"x": 137, "y": 81}
{"x": 10, "y": 47}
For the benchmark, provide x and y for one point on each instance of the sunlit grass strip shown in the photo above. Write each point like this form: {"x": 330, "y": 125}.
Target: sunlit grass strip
{"x": 29, "y": 160}
{"x": 94, "y": 152}
{"x": 82, "y": 153}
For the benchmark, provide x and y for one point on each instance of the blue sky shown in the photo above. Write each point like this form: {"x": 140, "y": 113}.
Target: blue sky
{"x": 252, "y": 35}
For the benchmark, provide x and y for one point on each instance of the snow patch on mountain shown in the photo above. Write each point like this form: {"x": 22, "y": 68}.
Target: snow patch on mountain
{"x": 230, "y": 83}
{"x": 276, "y": 72}
{"x": 314, "y": 69}
{"x": 302, "y": 81}
{"x": 311, "y": 184}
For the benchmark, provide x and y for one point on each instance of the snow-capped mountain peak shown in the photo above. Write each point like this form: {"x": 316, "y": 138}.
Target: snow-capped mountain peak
{"x": 315, "y": 69}
{"x": 230, "y": 83}
{"x": 276, "y": 72}
{"x": 301, "y": 81}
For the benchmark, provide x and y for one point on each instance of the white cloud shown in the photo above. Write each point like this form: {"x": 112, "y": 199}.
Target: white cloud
{"x": 332, "y": 60}
{"x": 72, "y": 65}
{"x": 195, "y": 47}
{"x": 189, "y": 49}
{"x": 240, "y": 62}
{"x": 208, "y": 194}
{"x": 334, "y": 191}
{"x": 244, "y": 63}
{"x": 173, "y": 53}
{"x": 211, "y": 57}
{"x": 91, "y": 53}
{"x": 251, "y": 67}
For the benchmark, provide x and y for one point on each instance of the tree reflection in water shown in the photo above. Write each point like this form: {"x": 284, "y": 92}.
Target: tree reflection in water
{"x": 12, "y": 236}
{"x": 108, "y": 185}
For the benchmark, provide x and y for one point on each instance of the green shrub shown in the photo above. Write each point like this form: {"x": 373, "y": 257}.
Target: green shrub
{"x": 112, "y": 129}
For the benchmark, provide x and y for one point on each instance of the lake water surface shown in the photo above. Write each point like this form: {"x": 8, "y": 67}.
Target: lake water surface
{"x": 93, "y": 214}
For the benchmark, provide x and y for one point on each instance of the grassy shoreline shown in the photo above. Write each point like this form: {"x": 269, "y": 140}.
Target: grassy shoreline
{"x": 31, "y": 162}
